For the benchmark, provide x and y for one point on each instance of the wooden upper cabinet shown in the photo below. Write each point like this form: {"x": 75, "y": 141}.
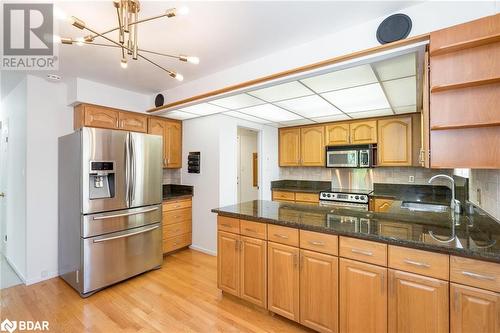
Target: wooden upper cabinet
{"x": 158, "y": 127}
{"x": 96, "y": 116}
{"x": 228, "y": 262}
{"x": 289, "y": 146}
{"x": 253, "y": 274}
{"x": 473, "y": 310}
{"x": 363, "y": 297}
{"x": 395, "y": 141}
{"x": 319, "y": 291}
{"x": 337, "y": 134}
{"x": 283, "y": 280}
{"x": 363, "y": 132}
{"x": 417, "y": 303}
{"x": 312, "y": 146}
{"x": 173, "y": 145}
{"x": 131, "y": 121}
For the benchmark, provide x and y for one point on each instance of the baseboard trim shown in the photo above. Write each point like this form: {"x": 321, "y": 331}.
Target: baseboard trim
{"x": 50, "y": 275}
{"x": 15, "y": 269}
{"x": 201, "y": 249}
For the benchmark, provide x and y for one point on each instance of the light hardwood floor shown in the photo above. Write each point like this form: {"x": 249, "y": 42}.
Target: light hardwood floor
{"x": 182, "y": 296}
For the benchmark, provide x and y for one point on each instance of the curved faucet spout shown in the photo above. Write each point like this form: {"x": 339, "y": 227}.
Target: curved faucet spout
{"x": 455, "y": 204}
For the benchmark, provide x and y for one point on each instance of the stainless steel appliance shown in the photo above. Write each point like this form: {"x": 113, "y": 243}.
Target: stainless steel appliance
{"x": 345, "y": 198}
{"x": 360, "y": 156}
{"x": 110, "y": 193}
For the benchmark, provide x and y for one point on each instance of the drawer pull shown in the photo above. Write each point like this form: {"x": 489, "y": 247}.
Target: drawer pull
{"x": 251, "y": 230}
{"x": 478, "y": 276}
{"x": 317, "y": 243}
{"x": 416, "y": 263}
{"x": 363, "y": 252}
{"x": 281, "y": 236}
{"x": 226, "y": 225}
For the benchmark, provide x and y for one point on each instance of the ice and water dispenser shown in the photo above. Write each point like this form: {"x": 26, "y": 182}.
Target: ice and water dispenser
{"x": 101, "y": 179}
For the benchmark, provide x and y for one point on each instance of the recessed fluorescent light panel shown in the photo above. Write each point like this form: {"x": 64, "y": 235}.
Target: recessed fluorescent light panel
{"x": 371, "y": 113}
{"x": 204, "y": 109}
{"x": 282, "y": 91}
{"x": 244, "y": 116}
{"x": 309, "y": 106}
{"x": 394, "y": 68}
{"x": 364, "y": 98}
{"x": 346, "y": 78}
{"x": 271, "y": 113}
{"x": 237, "y": 101}
{"x": 297, "y": 122}
{"x": 336, "y": 117}
{"x": 401, "y": 92}
{"x": 179, "y": 115}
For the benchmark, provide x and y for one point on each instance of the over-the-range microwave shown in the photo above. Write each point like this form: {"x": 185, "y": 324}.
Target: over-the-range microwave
{"x": 359, "y": 156}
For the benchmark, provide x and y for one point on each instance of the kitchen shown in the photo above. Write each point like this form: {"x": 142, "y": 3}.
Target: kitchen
{"x": 377, "y": 189}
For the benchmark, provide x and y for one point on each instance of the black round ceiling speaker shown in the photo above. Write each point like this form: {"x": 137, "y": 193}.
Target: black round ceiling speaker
{"x": 159, "y": 100}
{"x": 393, "y": 28}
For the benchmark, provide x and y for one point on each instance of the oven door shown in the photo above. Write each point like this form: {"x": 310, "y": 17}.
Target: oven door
{"x": 342, "y": 159}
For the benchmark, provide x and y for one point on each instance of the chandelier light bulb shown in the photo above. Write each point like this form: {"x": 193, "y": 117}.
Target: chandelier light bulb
{"x": 124, "y": 63}
{"x": 193, "y": 60}
{"x": 183, "y": 10}
{"x": 177, "y": 76}
{"x": 56, "y": 39}
{"x": 79, "y": 41}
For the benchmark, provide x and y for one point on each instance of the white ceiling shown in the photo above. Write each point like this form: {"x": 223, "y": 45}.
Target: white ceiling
{"x": 221, "y": 34}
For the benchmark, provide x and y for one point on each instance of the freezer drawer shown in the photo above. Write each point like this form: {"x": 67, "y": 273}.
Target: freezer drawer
{"x": 115, "y": 257}
{"x": 104, "y": 223}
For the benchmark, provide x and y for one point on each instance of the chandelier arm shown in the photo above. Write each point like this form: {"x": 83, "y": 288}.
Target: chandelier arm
{"x": 171, "y": 73}
{"x": 120, "y": 27}
{"x": 141, "y": 50}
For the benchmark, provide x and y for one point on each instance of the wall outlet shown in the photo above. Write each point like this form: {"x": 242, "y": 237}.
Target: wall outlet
{"x": 478, "y": 196}
{"x": 411, "y": 179}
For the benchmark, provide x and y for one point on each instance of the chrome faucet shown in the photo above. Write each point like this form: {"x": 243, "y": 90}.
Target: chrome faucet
{"x": 455, "y": 204}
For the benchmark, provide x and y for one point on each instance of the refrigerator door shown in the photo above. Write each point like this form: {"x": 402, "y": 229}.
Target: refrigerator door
{"x": 103, "y": 145}
{"x": 146, "y": 171}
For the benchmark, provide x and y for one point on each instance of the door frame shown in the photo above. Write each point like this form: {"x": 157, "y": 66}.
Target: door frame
{"x": 259, "y": 162}
{"x": 4, "y": 146}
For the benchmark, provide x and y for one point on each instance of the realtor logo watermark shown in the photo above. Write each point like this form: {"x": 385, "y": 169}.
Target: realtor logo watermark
{"x": 28, "y": 33}
{"x": 23, "y": 325}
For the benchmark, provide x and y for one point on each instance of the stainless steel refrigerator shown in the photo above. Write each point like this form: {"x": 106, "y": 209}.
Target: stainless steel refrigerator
{"x": 110, "y": 193}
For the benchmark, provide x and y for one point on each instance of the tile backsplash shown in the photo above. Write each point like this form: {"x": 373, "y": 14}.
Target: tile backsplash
{"x": 484, "y": 190}
{"x": 171, "y": 176}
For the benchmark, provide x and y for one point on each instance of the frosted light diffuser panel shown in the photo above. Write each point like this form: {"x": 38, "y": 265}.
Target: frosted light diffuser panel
{"x": 346, "y": 78}
{"x": 282, "y": 91}
{"x": 237, "y": 102}
{"x": 309, "y": 106}
{"x": 204, "y": 109}
{"x": 364, "y": 98}
{"x": 271, "y": 113}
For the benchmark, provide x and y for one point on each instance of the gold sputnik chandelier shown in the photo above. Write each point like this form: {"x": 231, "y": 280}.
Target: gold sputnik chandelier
{"x": 128, "y": 23}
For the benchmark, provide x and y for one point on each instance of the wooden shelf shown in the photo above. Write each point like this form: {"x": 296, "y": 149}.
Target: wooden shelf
{"x": 460, "y": 126}
{"x": 466, "y": 45}
{"x": 462, "y": 85}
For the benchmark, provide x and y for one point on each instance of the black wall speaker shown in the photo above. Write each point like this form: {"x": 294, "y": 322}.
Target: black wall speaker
{"x": 159, "y": 100}
{"x": 393, "y": 28}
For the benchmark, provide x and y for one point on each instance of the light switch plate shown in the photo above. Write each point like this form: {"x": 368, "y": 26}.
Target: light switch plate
{"x": 411, "y": 179}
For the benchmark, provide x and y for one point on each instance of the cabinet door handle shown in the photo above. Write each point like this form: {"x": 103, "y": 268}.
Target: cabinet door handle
{"x": 281, "y": 236}
{"x": 295, "y": 260}
{"x": 251, "y": 230}
{"x": 236, "y": 245}
{"x": 456, "y": 301}
{"x": 316, "y": 243}
{"x": 416, "y": 263}
{"x": 226, "y": 225}
{"x": 301, "y": 261}
{"x": 382, "y": 278}
{"x": 363, "y": 252}
{"x": 478, "y": 276}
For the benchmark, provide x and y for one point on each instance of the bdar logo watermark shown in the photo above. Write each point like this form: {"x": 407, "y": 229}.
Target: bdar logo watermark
{"x": 23, "y": 325}
{"x": 28, "y": 37}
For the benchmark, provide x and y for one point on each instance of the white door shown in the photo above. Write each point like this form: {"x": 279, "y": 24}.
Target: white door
{"x": 248, "y": 187}
{"x": 4, "y": 133}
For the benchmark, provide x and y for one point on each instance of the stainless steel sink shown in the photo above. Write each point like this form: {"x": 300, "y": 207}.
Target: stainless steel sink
{"x": 424, "y": 207}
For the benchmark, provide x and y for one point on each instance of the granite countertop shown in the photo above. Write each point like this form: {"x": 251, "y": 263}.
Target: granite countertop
{"x": 475, "y": 236}
{"x": 175, "y": 191}
{"x": 306, "y": 186}
{"x": 415, "y": 193}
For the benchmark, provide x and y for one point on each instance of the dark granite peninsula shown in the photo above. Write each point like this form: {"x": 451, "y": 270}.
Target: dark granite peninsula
{"x": 174, "y": 191}
{"x": 305, "y": 186}
{"x": 475, "y": 235}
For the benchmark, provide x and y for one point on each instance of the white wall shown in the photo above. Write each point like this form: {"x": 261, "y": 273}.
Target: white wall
{"x": 215, "y": 137}
{"x": 14, "y": 109}
{"x": 428, "y": 16}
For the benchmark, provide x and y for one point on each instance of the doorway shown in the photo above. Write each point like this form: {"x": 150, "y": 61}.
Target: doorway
{"x": 248, "y": 165}
{"x": 3, "y": 183}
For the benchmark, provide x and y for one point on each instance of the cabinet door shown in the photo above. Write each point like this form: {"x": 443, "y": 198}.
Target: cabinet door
{"x": 228, "y": 263}
{"x": 474, "y": 310}
{"x": 133, "y": 122}
{"x": 363, "y": 132}
{"x": 289, "y": 146}
{"x": 101, "y": 117}
{"x": 395, "y": 142}
{"x": 337, "y": 134}
{"x": 254, "y": 270}
{"x": 158, "y": 127}
{"x": 363, "y": 297}
{"x": 173, "y": 145}
{"x": 283, "y": 280}
{"x": 417, "y": 303}
{"x": 312, "y": 146}
{"x": 318, "y": 291}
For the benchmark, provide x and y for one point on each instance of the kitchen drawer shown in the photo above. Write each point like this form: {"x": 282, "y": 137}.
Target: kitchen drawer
{"x": 176, "y": 229}
{"x": 178, "y": 242}
{"x": 176, "y": 216}
{"x": 426, "y": 263}
{"x": 283, "y": 195}
{"x": 228, "y": 224}
{"x": 253, "y": 229}
{"x": 283, "y": 235}
{"x": 362, "y": 250}
{"x": 307, "y": 197}
{"x": 476, "y": 273}
{"x": 319, "y": 242}
{"x": 176, "y": 204}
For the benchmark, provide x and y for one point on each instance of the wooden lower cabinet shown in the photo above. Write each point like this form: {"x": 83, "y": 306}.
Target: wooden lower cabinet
{"x": 177, "y": 224}
{"x": 474, "y": 310}
{"x": 382, "y": 205}
{"x": 283, "y": 280}
{"x": 363, "y": 297}
{"x": 417, "y": 303}
{"x": 228, "y": 263}
{"x": 318, "y": 291}
{"x": 253, "y": 273}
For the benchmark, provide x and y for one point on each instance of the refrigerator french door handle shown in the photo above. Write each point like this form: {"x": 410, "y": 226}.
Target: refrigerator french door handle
{"x": 127, "y": 170}
{"x": 133, "y": 168}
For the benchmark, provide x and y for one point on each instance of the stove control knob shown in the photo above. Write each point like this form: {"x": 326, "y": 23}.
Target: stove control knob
{"x": 328, "y": 195}
{"x": 357, "y": 197}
